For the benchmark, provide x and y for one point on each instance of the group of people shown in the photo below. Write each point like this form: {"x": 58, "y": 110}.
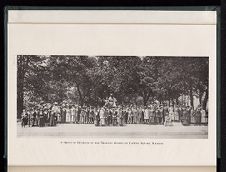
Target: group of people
{"x": 154, "y": 114}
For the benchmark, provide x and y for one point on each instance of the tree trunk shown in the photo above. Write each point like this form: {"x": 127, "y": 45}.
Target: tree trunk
{"x": 145, "y": 101}
{"x": 81, "y": 100}
{"x": 177, "y": 101}
{"x": 200, "y": 97}
{"x": 146, "y": 97}
{"x": 20, "y": 103}
{"x": 191, "y": 96}
{"x": 22, "y": 65}
{"x": 205, "y": 99}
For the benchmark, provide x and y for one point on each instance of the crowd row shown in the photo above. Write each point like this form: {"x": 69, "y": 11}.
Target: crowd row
{"x": 116, "y": 116}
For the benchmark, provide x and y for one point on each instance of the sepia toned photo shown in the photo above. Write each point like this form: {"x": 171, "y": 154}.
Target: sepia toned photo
{"x": 112, "y": 88}
{"x": 112, "y": 96}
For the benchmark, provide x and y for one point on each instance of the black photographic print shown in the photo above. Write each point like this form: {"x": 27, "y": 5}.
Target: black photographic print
{"x": 112, "y": 96}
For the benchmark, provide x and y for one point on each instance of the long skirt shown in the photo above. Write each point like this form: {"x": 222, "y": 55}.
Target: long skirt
{"x": 172, "y": 117}
{"x": 72, "y": 118}
{"x": 42, "y": 122}
{"x": 129, "y": 119}
{"x": 198, "y": 119}
{"x": 121, "y": 121}
{"x": 192, "y": 119}
{"x": 23, "y": 122}
{"x": 114, "y": 121}
{"x": 152, "y": 120}
{"x": 204, "y": 119}
{"x": 52, "y": 120}
{"x": 58, "y": 118}
{"x": 186, "y": 120}
{"x": 97, "y": 121}
{"x": 146, "y": 116}
{"x": 102, "y": 121}
{"x": 176, "y": 116}
{"x": 68, "y": 117}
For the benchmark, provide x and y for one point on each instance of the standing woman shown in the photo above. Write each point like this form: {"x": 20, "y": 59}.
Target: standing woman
{"x": 87, "y": 115}
{"x": 186, "y": 116}
{"x": 142, "y": 115}
{"x": 64, "y": 113}
{"x": 139, "y": 115}
{"x": 151, "y": 115}
{"x": 51, "y": 117}
{"x": 198, "y": 115}
{"x": 29, "y": 117}
{"x": 167, "y": 116}
{"x": 120, "y": 117}
{"x": 57, "y": 115}
{"x": 45, "y": 116}
{"x": 146, "y": 115}
{"x": 157, "y": 115}
{"x": 171, "y": 113}
{"x": 165, "y": 113}
{"x": 78, "y": 115}
{"x": 106, "y": 115}
{"x": 102, "y": 119}
{"x": 114, "y": 117}
{"x": 126, "y": 114}
{"x": 68, "y": 114}
{"x": 180, "y": 113}
{"x": 82, "y": 116}
{"x": 41, "y": 118}
{"x": 23, "y": 118}
{"x": 176, "y": 113}
{"x": 110, "y": 114}
{"x": 97, "y": 116}
{"x": 129, "y": 110}
{"x": 37, "y": 116}
{"x": 133, "y": 112}
{"x": 203, "y": 116}
{"x": 34, "y": 117}
{"x": 161, "y": 115}
{"x": 72, "y": 119}
{"x": 136, "y": 118}
{"x": 92, "y": 115}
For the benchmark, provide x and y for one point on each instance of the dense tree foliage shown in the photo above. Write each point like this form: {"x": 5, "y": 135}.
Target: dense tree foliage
{"x": 88, "y": 80}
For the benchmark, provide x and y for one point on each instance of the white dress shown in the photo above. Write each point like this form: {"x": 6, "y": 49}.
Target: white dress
{"x": 146, "y": 114}
{"x": 72, "y": 115}
{"x": 102, "y": 120}
{"x": 68, "y": 115}
{"x": 203, "y": 116}
{"x": 171, "y": 114}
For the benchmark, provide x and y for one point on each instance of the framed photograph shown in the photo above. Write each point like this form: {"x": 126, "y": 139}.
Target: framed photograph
{"x": 112, "y": 87}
